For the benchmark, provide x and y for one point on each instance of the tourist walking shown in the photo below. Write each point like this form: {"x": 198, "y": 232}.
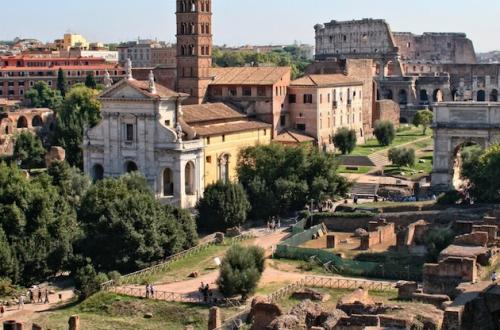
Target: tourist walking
{"x": 494, "y": 277}
{"x": 46, "y": 301}
{"x": 31, "y": 296}
{"x": 2, "y": 310}
{"x": 40, "y": 296}
{"x": 147, "y": 291}
{"x": 152, "y": 291}
{"x": 21, "y": 303}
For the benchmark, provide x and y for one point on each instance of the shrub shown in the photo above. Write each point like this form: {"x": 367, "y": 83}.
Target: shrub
{"x": 240, "y": 271}
{"x": 402, "y": 157}
{"x": 384, "y": 132}
{"x": 436, "y": 240}
{"x": 345, "y": 139}
{"x": 115, "y": 277}
{"x": 224, "y": 205}
{"x": 6, "y": 288}
{"x": 88, "y": 282}
{"x": 423, "y": 118}
{"x": 450, "y": 198}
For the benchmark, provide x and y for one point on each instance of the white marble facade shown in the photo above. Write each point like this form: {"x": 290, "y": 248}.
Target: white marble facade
{"x": 140, "y": 131}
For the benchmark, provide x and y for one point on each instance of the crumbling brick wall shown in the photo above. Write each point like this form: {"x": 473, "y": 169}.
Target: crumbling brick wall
{"x": 379, "y": 232}
{"x": 444, "y": 277}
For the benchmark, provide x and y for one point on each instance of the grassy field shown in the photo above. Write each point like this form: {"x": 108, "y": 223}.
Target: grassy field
{"x": 372, "y": 146}
{"x": 201, "y": 262}
{"x": 360, "y": 170}
{"x": 412, "y": 173}
{"x": 110, "y": 311}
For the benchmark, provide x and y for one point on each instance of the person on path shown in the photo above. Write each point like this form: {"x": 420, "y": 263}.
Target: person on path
{"x": 31, "y": 296}
{"x": 152, "y": 291}
{"x": 494, "y": 277}
{"x": 147, "y": 291}
{"x": 21, "y": 303}
{"x": 2, "y": 310}
{"x": 46, "y": 301}
{"x": 40, "y": 296}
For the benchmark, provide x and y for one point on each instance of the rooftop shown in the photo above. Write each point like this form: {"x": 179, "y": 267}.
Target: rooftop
{"x": 326, "y": 80}
{"x": 291, "y": 136}
{"x": 249, "y": 75}
{"x": 201, "y": 113}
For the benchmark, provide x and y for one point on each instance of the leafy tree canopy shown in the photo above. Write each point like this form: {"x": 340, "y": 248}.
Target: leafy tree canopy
{"x": 224, "y": 205}
{"x": 345, "y": 139}
{"x": 384, "y": 132}
{"x": 29, "y": 151}
{"x": 42, "y": 96}
{"x": 423, "y": 118}
{"x": 280, "y": 179}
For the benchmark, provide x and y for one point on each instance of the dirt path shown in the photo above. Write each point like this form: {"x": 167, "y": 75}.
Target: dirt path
{"x": 27, "y": 312}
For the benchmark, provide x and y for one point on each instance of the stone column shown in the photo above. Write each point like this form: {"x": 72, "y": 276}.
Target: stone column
{"x": 214, "y": 318}
{"x": 74, "y": 322}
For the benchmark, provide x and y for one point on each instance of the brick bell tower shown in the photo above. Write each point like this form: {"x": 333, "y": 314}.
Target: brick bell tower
{"x": 194, "y": 48}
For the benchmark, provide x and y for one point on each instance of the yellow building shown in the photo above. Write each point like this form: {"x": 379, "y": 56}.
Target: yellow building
{"x": 225, "y": 133}
{"x": 75, "y": 41}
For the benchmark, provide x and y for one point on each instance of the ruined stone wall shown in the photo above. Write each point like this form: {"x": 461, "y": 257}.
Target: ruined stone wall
{"x": 435, "y": 47}
{"x": 367, "y": 38}
{"x": 387, "y": 110}
{"x": 379, "y": 232}
{"x": 474, "y": 78}
{"x": 444, "y": 277}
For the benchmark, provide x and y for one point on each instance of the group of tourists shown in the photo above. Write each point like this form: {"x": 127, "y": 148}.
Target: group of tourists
{"x": 150, "y": 291}
{"x": 204, "y": 290}
{"x": 274, "y": 224}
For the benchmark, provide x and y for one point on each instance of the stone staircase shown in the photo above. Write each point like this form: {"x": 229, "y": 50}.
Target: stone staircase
{"x": 368, "y": 190}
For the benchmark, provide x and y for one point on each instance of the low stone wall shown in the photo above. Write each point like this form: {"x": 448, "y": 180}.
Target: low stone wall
{"x": 379, "y": 232}
{"x": 444, "y": 277}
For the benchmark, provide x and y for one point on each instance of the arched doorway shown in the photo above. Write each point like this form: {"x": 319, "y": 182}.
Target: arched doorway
{"x": 22, "y": 122}
{"x": 97, "y": 172}
{"x": 424, "y": 97}
{"x": 37, "y": 121}
{"x": 454, "y": 93}
{"x": 481, "y": 96}
{"x": 168, "y": 183}
{"x": 388, "y": 94}
{"x": 130, "y": 167}
{"x": 403, "y": 97}
{"x": 189, "y": 178}
{"x": 437, "y": 95}
{"x": 494, "y": 96}
{"x": 224, "y": 168}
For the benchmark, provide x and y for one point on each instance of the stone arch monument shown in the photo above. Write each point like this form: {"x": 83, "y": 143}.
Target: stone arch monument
{"x": 456, "y": 124}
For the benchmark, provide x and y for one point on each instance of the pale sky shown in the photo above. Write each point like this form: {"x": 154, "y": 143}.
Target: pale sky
{"x": 239, "y": 22}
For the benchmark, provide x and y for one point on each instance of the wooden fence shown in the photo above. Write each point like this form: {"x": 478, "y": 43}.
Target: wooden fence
{"x": 347, "y": 283}
{"x": 162, "y": 266}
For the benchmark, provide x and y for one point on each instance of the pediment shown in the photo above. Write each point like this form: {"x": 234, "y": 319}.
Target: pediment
{"x": 124, "y": 90}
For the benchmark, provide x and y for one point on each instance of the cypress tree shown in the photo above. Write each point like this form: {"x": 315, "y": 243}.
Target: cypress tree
{"x": 90, "y": 81}
{"x": 61, "y": 82}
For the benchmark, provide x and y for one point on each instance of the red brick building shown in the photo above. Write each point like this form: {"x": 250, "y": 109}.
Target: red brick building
{"x": 19, "y": 73}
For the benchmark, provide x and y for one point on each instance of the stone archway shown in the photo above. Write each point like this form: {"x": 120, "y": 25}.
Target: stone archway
{"x": 455, "y": 125}
{"x": 403, "y": 97}
{"x": 481, "y": 96}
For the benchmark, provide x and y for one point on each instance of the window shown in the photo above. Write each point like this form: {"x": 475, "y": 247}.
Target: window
{"x": 167, "y": 123}
{"x": 224, "y": 168}
{"x": 129, "y": 132}
{"x": 247, "y": 91}
{"x": 292, "y": 98}
{"x": 208, "y": 159}
{"x": 232, "y": 91}
{"x": 208, "y": 140}
{"x": 308, "y": 98}
{"x": 261, "y": 91}
{"x": 320, "y": 98}
{"x": 277, "y": 91}
{"x": 168, "y": 184}
{"x": 282, "y": 120}
{"x": 223, "y": 138}
{"x": 301, "y": 127}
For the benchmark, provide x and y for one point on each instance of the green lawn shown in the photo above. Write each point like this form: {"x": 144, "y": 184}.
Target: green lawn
{"x": 201, "y": 262}
{"x": 412, "y": 173}
{"x": 372, "y": 146}
{"x": 111, "y": 311}
{"x": 360, "y": 170}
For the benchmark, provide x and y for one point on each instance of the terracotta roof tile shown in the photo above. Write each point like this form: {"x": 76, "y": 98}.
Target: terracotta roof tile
{"x": 231, "y": 127}
{"x": 248, "y": 75}
{"x": 290, "y": 136}
{"x": 207, "y": 112}
{"x": 325, "y": 80}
